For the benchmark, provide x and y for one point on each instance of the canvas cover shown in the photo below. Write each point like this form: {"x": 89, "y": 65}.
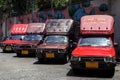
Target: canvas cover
{"x": 58, "y": 26}
{"x": 97, "y": 24}
{"x": 36, "y": 28}
{"x": 19, "y": 29}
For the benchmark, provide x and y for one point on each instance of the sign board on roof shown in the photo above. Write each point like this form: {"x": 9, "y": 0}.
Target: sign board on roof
{"x": 58, "y": 26}
{"x": 36, "y": 28}
{"x": 97, "y": 24}
{"x": 19, "y": 29}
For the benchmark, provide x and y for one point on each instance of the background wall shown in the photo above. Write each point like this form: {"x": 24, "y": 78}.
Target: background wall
{"x": 115, "y": 4}
{"x": 116, "y": 13}
{"x": 6, "y": 24}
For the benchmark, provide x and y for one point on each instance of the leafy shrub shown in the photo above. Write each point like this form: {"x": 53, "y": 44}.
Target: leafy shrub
{"x": 58, "y": 15}
{"x": 78, "y": 14}
{"x": 50, "y": 13}
{"x": 86, "y": 3}
{"x": 43, "y": 15}
{"x": 103, "y": 7}
{"x": 92, "y": 12}
{"x": 73, "y": 8}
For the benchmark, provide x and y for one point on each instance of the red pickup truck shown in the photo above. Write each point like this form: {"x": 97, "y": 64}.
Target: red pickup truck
{"x": 95, "y": 48}
{"x": 18, "y": 31}
{"x": 34, "y": 37}
{"x": 58, "y": 40}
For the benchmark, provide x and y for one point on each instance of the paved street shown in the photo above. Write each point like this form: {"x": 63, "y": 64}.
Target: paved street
{"x": 27, "y": 68}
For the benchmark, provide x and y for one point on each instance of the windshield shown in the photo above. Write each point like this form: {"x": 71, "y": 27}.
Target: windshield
{"x": 16, "y": 37}
{"x": 33, "y": 37}
{"x": 95, "y": 41}
{"x": 56, "y": 39}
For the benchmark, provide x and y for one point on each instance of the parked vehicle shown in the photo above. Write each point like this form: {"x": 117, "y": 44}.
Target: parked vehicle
{"x": 18, "y": 31}
{"x": 58, "y": 41}
{"x": 95, "y": 49}
{"x": 34, "y": 37}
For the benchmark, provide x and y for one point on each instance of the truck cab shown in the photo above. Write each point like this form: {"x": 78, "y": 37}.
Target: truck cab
{"x": 95, "y": 48}
{"x": 18, "y": 31}
{"x": 58, "y": 40}
{"x": 34, "y": 37}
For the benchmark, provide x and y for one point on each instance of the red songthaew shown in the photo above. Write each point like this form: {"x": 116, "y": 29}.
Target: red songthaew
{"x": 18, "y": 31}
{"x": 95, "y": 48}
{"x": 34, "y": 36}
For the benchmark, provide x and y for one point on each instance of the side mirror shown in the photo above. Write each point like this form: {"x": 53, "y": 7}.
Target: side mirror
{"x": 115, "y": 44}
{"x": 74, "y": 44}
{"x": 21, "y": 39}
{"x": 71, "y": 41}
{"x": 41, "y": 41}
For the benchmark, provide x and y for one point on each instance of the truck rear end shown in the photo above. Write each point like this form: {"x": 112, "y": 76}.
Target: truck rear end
{"x": 34, "y": 37}
{"x": 95, "y": 49}
{"x": 18, "y": 31}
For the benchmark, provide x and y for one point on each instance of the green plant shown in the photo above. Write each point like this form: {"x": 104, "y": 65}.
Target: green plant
{"x": 85, "y": 3}
{"x": 60, "y": 4}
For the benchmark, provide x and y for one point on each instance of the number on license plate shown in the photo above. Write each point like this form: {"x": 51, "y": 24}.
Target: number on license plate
{"x": 25, "y": 52}
{"x": 50, "y": 55}
{"x": 91, "y": 64}
{"x": 8, "y": 48}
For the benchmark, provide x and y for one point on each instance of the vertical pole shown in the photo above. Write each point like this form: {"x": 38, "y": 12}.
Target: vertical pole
{"x": 110, "y": 6}
{"x": 52, "y": 8}
{"x": 52, "y": 4}
{"x": 32, "y": 8}
{"x": 69, "y": 2}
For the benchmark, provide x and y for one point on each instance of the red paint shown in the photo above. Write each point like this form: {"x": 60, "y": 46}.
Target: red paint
{"x": 10, "y": 41}
{"x": 28, "y": 43}
{"x": 19, "y": 29}
{"x": 93, "y": 51}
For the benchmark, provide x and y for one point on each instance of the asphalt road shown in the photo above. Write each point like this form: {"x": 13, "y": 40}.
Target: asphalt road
{"x": 27, "y": 68}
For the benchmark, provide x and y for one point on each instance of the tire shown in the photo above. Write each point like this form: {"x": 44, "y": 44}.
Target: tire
{"x": 66, "y": 58}
{"x": 4, "y": 51}
{"x": 74, "y": 71}
{"x": 18, "y": 55}
{"x": 40, "y": 60}
{"x": 110, "y": 73}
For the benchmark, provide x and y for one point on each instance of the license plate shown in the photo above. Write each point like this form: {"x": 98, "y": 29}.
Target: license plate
{"x": 92, "y": 65}
{"x": 25, "y": 52}
{"x": 50, "y": 55}
{"x": 8, "y": 48}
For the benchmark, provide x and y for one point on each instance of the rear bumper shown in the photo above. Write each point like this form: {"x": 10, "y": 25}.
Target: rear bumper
{"x": 7, "y": 48}
{"x": 25, "y": 51}
{"x": 101, "y": 65}
{"x": 56, "y": 56}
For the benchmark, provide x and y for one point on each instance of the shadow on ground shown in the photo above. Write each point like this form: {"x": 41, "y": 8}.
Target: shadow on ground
{"x": 24, "y": 56}
{"x": 89, "y": 73}
{"x": 51, "y": 62}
